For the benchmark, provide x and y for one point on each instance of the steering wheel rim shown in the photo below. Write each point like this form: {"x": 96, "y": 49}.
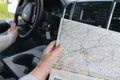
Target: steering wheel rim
{"x": 30, "y": 12}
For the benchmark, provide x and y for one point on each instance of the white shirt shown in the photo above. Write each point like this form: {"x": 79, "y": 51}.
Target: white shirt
{"x": 6, "y": 41}
{"x": 28, "y": 77}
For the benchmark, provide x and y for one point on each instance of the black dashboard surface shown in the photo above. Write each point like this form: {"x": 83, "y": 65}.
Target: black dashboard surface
{"x": 94, "y": 13}
{"x": 115, "y": 21}
{"x": 54, "y": 7}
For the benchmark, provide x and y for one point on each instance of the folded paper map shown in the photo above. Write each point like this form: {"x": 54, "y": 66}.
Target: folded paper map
{"x": 89, "y": 53}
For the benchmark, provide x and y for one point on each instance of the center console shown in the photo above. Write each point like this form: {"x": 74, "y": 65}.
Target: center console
{"x": 22, "y": 63}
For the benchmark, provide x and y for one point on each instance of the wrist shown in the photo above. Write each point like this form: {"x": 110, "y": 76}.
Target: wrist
{"x": 40, "y": 72}
{"x": 45, "y": 70}
{"x": 12, "y": 37}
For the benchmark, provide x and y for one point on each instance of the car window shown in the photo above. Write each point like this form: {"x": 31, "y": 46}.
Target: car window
{"x": 7, "y": 9}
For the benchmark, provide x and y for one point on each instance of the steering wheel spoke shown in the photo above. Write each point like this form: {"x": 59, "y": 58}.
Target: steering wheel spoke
{"x": 24, "y": 3}
{"x": 19, "y": 11}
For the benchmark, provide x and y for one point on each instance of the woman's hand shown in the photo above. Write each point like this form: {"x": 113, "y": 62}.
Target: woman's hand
{"x": 13, "y": 30}
{"x": 49, "y": 57}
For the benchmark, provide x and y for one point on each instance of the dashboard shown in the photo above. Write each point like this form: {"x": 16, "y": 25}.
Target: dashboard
{"x": 101, "y": 13}
{"x": 94, "y": 12}
{"x": 54, "y": 7}
{"x": 52, "y": 13}
{"x": 114, "y": 20}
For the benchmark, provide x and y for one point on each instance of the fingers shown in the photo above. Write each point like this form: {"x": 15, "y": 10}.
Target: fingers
{"x": 50, "y": 47}
{"x": 57, "y": 50}
{"x": 13, "y": 30}
{"x": 13, "y": 27}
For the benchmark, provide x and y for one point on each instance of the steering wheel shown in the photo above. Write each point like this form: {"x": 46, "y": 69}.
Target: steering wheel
{"x": 30, "y": 11}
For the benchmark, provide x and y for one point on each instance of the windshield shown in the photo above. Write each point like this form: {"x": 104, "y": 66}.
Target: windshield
{"x": 7, "y": 9}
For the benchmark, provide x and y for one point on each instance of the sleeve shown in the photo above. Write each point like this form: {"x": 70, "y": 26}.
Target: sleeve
{"x": 28, "y": 77}
{"x": 6, "y": 41}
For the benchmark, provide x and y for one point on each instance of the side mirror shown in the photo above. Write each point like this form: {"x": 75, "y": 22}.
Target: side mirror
{"x": 12, "y": 5}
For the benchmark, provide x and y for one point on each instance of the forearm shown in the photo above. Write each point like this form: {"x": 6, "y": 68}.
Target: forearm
{"x": 28, "y": 77}
{"x": 40, "y": 72}
{"x": 49, "y": 57}
{"x": 6, "y": 41}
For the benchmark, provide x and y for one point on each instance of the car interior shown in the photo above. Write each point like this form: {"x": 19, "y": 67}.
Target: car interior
{"x": 38, "y": 23}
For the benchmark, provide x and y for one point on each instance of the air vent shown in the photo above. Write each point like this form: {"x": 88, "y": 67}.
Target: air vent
{"x": 68, "y": 11}
{"x": 115, "y": 22}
